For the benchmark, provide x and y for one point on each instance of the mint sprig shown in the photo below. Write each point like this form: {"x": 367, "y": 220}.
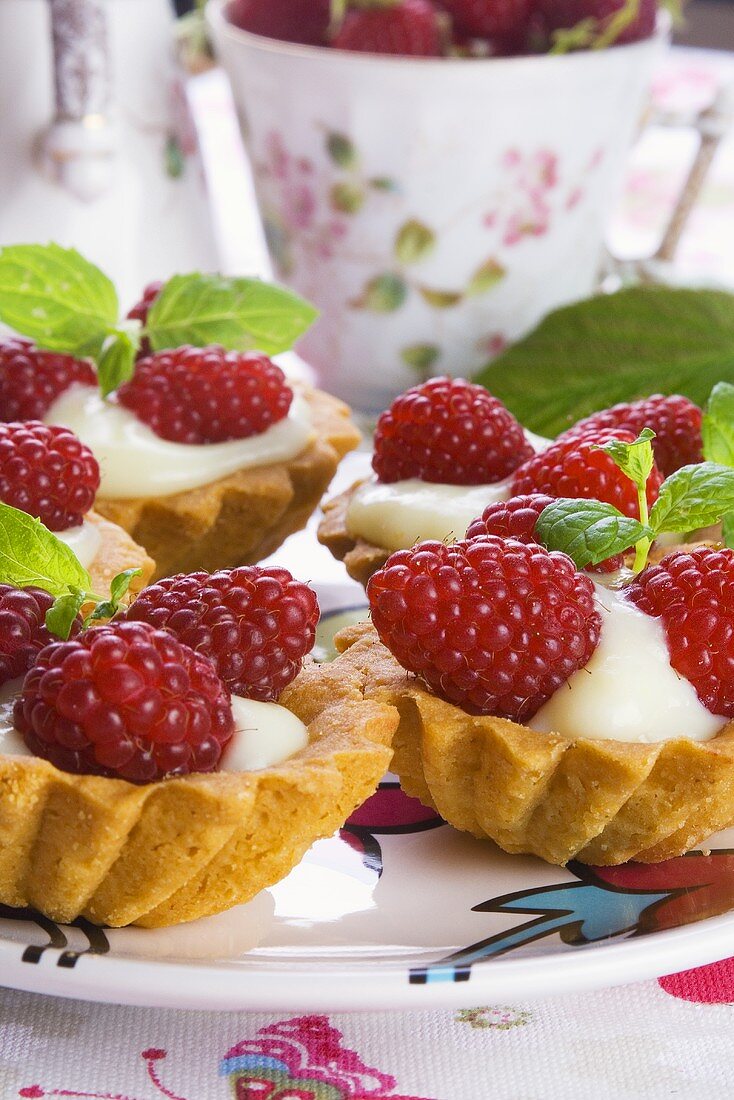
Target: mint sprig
{"x": 589, "y": 531}
{"x": 636, "y": 461}
{"x": 694, "y": 496}
{"x": 65, "y": 303}
{"x": 717, "y": 431}
{"x": 32, "y": 556}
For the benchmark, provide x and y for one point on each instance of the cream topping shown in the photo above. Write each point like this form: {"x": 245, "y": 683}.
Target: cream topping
{"x": 628, "y": 691}
{"x": 265, "y": 733}
{"x": 400, "y": 514}
{"x": 135, "y": 462}
{"x": 85, "y": 541}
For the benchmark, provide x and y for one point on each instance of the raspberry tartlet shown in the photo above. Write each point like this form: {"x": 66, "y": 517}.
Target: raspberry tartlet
{"x": 210, "y": 459}
{"x": 168, "y": 782}
{"x": 47, "y": 472}
{"x": 442, "y": 452}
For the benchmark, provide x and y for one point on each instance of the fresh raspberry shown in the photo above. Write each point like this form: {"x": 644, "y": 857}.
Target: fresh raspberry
{"x": 490, "y": 18}
{"x": 572, "y": 467}
{"x": 564, "y": 14}
{"x": 125, "y": 700}
{"x": 46, "y": 471}
{"x": 303, "y": 21}
{"x": 693, "y": 594}
{"x": 31, "y": 379}
{"x": 676, "y": 422}
{"x": 207, "y": 395}
{"x": 451, "y": 431}
{"x": 255, "y": 624}
{"x": 23, "y": 632}
{"x": 516, "y": 519}
{"x": 140, "y": 312}
{"x": 410, "y": 28}
{"x": 493, "y": 625}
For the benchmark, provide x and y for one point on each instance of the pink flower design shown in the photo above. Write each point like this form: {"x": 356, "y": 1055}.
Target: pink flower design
{"x": 277, "y": 155}
{"x": 299, "y": 206}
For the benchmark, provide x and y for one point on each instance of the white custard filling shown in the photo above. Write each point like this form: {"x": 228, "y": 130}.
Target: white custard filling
{"x": 85, "y": 541}
{"x": 628, "y": 691}
{"x": 135, "y": 462}
{"x": 265, "y": 734}
{"x": 405, "y": 512}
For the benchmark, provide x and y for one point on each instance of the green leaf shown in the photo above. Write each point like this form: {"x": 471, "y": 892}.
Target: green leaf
{"x": 636, "y": 460}
{"x": 486, "y": 277}
{"x": 117, "y": 362}
{"x": 421, "y": 357}
{"x": 440, "y": 299}
{"x": 174, "y": 160}
{"x": 341, "y": 150}
{"x": 238, "y": 313}
{"x": 383, "y": 183}
{"x": 413, "y": 242}
{"x": 694, "y": 496}
{"x": 56, "y": 297}
{"x": 347, "y": 198}
{"x": 31, "y": 555}
{"x": 106, "y": 609}
{"x": 718, "y": 425}
{"x": 589, "y": 531}
{"x": 63, "y": 611}
{"x": 383, "y": 294}
{"x": 617, "y": 347}
{"x": 727, "y": 528}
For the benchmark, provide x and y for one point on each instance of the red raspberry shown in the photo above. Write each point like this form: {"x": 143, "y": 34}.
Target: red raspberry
{"x": 140, "y": 312}
{"x": 490, "y": 18}
{"x": 676, "y": 422}
{"x": 451, "y": 431}
{"x": 23, "y": 632}
{"x": 409, "y": 28}
{"x": 255, "y": 624}
{"x": 572, "y": 467}
{"x": 31, "y": 380}
{"x": 516, "y": 519}
{"x": 564, "y": 14}
{"x": 304, "y": 21}
{"x": 493, "y": 625}
{"x": 46, "y": 471}
{"x": 125, "y": 700}
{"x": 693, "y": 594}
{"x": 207, "y": 395}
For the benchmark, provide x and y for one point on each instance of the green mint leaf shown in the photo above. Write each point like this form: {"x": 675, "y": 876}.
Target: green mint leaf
{"x": 635, "y": 460}
{"x": 414, "y": 241}
{"x": 718, "y": 425}
{"x": 64, "y": 610}
{"x": 589, "y": 531}
{"x": 241, "y": 314}
{"x": 106, "y": 609}
{"x": 30, "y": 554}
{"x": 727, "y": 528}
{"x": 694, "y": 496}
{"x": 616, "y": 347}
{"x": 56, "y": 297}
{"x": 117, "y": 362}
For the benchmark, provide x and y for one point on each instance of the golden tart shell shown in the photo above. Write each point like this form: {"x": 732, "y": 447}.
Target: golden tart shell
{"x": 156, "y": 855}
{"x": 599, "y": 801}
{"x": 361, "y": 558}
{"x": 117, "y": 552}
{"x": 242, "y": 518}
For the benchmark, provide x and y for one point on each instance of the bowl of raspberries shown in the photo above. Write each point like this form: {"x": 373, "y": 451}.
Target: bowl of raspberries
{"x": 435, "y": 176}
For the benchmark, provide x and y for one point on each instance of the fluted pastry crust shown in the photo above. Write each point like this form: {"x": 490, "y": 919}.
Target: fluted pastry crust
{"x": 360, "y": 557}
{"x": 599, "y": 801}
{"x": 117, "y": 552}
{"x": 172, "y": 851}
{"x": 242, "y": 518}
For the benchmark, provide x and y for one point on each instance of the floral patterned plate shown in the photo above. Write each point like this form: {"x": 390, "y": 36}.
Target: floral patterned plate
{"x": 398, "y": 910}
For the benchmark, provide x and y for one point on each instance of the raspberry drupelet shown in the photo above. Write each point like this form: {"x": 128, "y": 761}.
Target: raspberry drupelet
{"x": 675, "y": 420}
{"x": 47, "y": 472}
{"x": 140, "y": 311}
{"x": 31, "y": 379}
{"x": 449, "y": 431}
{"x": 256, "y": 624}
{"x": 493, "y": 625}
{"x": 207, "y": 395}
{"x": 573, "y": 466}
{"x": 23, "y": 632}
{"x": 125, "y": 700}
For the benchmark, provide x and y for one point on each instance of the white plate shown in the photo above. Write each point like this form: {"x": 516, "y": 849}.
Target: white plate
{"x": 397, "y": 911}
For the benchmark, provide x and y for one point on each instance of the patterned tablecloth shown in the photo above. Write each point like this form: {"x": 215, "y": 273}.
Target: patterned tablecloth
{"x": 671, "y": 1037}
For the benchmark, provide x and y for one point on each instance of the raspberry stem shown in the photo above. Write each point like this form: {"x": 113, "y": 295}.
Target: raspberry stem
{"x": 642, "y": 548}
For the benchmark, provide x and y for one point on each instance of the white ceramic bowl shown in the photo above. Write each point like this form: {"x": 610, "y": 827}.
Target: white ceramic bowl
{"x": 433, "y": 209}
